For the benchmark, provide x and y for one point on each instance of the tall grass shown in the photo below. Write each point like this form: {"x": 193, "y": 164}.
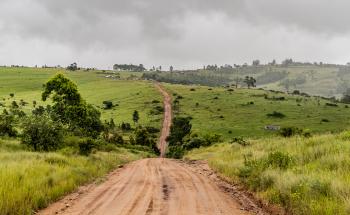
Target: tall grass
{"x": 30, "y": 181}
{"x": 305, "y": 176}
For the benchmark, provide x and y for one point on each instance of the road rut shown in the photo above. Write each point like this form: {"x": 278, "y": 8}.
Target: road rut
{"x": 151, "y": 186}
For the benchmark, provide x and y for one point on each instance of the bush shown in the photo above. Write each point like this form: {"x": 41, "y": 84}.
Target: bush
{"x": 86, "y": 146}
{"x": 176, "y": 152}
{"x": 291, "y": 131}
{"x": 331, "y": 105}
{"x": 152, "y": 130}
{"x": 107, "y": 105}
{"x": 41, "y": 133}
{"x": 279, "y": 160}
{"x": 276, "y": 114}
{"x": 125, "y": 126}
{"x": 240, "y": 141}
{"x": 7, "y": 125}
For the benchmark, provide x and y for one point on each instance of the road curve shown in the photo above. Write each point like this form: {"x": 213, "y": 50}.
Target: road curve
{"x": 162, "y": 144}
{"x": 151, "y": 186}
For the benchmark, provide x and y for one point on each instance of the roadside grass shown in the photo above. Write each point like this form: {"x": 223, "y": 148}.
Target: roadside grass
{"x": 243, "y": 112}
{"x": 304, "y": 175}
{"x": 32, "y": 180}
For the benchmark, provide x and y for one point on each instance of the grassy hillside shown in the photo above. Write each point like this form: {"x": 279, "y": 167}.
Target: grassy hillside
{"x": 323, "y": 80}
{"x": 31, "y": 180}
{"x": 244, "y": 112}
{"x": 130, "y": 95}
{"x": 306, "y": 176}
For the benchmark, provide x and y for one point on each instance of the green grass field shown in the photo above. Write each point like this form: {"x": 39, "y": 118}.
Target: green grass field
{"x": 130, "y": 95}
{"x": 32, "y": 180}
{"x": 305, "y": 176}
{"x": 230, "y": 114}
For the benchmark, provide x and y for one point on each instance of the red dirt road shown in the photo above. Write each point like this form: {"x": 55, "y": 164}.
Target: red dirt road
{"x": 150, "y": 186}
{"x": 162, "y": 144}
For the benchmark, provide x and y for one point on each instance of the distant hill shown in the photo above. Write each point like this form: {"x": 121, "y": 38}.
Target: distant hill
{"x": 327, "y": 80}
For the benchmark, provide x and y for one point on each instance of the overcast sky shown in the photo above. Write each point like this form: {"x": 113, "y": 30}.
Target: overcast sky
{"x": 183, "y": 33}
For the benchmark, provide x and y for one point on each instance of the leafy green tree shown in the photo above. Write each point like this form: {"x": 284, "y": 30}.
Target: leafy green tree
{"x": 135, "y": 116}
{"x": 250, "y": 82}
{"x": 179, "y": 129}
{"x": 70, "y": 108}
{"x": 7, "y": 127}
{"x": 42, "y": 133}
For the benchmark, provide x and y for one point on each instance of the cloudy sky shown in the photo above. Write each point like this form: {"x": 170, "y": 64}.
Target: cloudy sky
{"x": 183, "y": 33}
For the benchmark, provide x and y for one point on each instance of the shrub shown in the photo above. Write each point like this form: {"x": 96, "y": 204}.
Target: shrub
{"x": 291, "y": 131}
{"x": 192, "y": 89}
{"x": 125, "y": 126}
{"x": 176, "y": 152}
{"x": 240, "y": 141}
{"x": 41, "y": 133}
{"x": 276, "y": 114}
{"x": 7, "y": 125}
{"x": 155, "y": 101}
{"x": 279, "y": 160}
{"x": 152, "y": 130}
{"x": 86, "y": 146}
{"x": 107, "y": 105}
{"x": 331, "y": 105}
{"x": 324, "y": 120}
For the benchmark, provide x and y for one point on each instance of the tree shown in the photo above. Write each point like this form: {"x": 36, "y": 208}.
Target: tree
{"x": 135, "y": 116}
{"x": 179, "y": 129}
{"x": 171, "y": 68}
{"x": 7, "y": 124}
{"x": 256, "y": 62}
{"x": 41, "y": 133}
{"x": 346, "y": 96}
{"x": 73, "y": 67}
{"x": 250, "y": 82}
{"x": 70, "y": 108}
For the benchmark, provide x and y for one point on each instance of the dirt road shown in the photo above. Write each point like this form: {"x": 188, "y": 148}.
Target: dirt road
{"x": 166, "y": 121}
{"x": 157, "y": 186}
{"x": 150, "y": 186}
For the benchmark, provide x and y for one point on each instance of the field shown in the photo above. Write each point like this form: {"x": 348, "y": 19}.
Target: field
{"x": 305, "y": 176}
{"x": 243, "y": 112}
{"x": 32, "y": 180}
{"x": 322, "y": 80}
{"x": 130, "y": 95}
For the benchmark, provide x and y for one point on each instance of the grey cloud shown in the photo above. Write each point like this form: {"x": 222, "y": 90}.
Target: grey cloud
{"x": 184, "y": 32}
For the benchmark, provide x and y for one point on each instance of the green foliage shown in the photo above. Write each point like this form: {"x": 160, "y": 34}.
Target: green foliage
{"x": 290, "y": 131}
{"x": 276, "y": 114}
{"x": 7, "y": 127}
{"x": 240, "y": 140}
{"x": 125, "y": 126}
{"x": 135, "y": 116}
{"x": 70, "y": 108}
{"x": 107, "y": 105}
{"x": 179, "y": 129}
{"x": 303, "y": 175}
{"x": 86, "y": 146}
{"x": 41, "y": 133}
